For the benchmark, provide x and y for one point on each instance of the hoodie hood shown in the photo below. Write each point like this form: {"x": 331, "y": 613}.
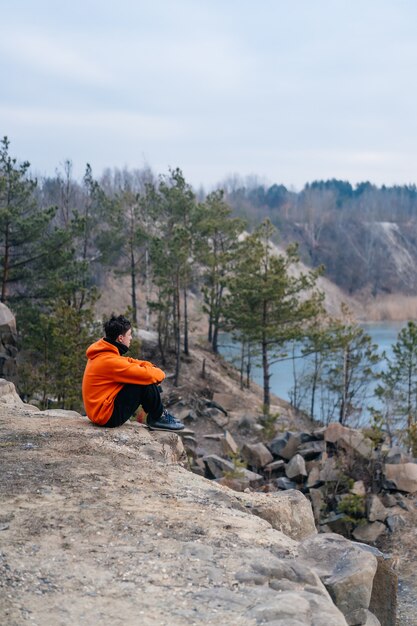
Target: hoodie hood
{"x": 99, "y": 347}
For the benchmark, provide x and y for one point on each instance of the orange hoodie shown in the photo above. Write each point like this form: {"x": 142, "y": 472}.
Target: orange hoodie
{"x": 105, "y": 374}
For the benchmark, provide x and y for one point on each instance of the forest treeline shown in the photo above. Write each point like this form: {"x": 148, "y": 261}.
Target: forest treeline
{"x": 364, "y": 235}
{"x": 60, "y": 236}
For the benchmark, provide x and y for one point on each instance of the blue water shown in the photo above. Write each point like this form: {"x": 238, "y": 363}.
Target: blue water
{"x": 383, "y": 334}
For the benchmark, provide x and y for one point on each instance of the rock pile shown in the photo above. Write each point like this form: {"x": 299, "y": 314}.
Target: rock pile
{"x": 357, "y": 486}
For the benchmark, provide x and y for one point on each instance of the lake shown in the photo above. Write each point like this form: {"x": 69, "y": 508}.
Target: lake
{"x": 383, "y": 334}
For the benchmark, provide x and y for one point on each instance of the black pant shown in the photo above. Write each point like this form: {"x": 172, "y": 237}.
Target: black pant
{"x": 130, "y": 397}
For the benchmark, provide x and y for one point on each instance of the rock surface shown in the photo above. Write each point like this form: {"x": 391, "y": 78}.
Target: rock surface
{"x": 101, "y": 526}
{"x": 404, "y": 476}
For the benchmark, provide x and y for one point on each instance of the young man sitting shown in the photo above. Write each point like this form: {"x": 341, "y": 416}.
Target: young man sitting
{"x": 114, "y": 385}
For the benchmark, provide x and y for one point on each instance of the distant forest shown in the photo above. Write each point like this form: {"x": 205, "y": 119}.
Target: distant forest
{"x": 364, "y": 235}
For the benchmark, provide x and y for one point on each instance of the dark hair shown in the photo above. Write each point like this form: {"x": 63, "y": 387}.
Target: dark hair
{"x": 116, "y": 326}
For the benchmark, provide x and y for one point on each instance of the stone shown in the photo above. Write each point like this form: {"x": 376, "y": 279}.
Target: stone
{"x": 314, "y": 477}
{"x": 330, "y": 472}
{"x": 389, "y": 500}
{"x": 375, "y": 509}
{"x": 403, "y": 476}
{"x": 404, "y": 502}
{"x": 317, "y": 501}
{"x": 285, "y": 483}
{"x": 384, "y": 593}
{"x": 286, "y": 444}
{"x": 349, "y": 439}
{"x": 358, "y": 488}
{"x": 274, "y": 467}
{"x": 287, "y": 511}
{"x": 8, "y": 344}
{"x": 369, "y": 533}
{"x": 257, "y": 455}
{"x": 346, "y": 570}
{"x": 220, "y": 467}
{"x": 8, "y": 394}
{"x": 229, "y": 445}
{"x": 296, "y": 468}
{"x": 287, "y": 606}
{"x": 312, "y": 449}
{"x": 364, "y": 618}
{"x": 396, "y": 456}
{"x": 394, "y": 522}
{"x": 319, "y": 433}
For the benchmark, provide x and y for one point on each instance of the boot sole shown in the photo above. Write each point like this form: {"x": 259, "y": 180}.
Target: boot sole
{"x": 167, "y": 430}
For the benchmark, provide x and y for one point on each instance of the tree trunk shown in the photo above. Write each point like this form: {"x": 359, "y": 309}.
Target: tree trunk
{"x": 266, "y": 377}
{"x": 216, "y": 322}
{"x": 186, "y": 350}
{"x": 147, "y": 292}
{"x": 133, "y": 284}
{"x": 6, "y": 265}
{"x": 314, "y": 385}
{"x": 343, "y": 405}
{"x": 177, "y": 331}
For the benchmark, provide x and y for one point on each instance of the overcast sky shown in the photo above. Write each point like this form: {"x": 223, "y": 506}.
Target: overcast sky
{"x": 288, "y": 90}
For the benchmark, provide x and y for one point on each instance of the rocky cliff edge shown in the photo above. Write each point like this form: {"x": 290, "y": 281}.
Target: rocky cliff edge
{"x": 108, "y": 526}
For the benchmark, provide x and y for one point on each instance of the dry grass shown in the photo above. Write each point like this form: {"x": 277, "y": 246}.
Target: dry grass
{"x": 393, "y": 308}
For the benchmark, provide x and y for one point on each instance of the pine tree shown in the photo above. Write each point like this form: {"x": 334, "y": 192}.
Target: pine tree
{"x": 268, "y": 304}
{"x": 349, "y": 370}
{"x": 216, "y": 244}
{"x": 173, "y": 206}
{"x": 398, "y": 387}
{"x": 23, "y": 225}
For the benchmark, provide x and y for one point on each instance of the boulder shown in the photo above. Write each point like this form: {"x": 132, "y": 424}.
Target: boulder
{"x": 346, "y": 570}
{"x": 296, "y": 468}
{"x": 275, "y": 467}
{"x": 349, "y": 439}
{"x": 394, "y": 522}
{"x": 312, "y": 449}
{"x": 403, "y": 476}
{"x": 389, "y": 500}
{"x": 286, "y": 444}
{"x": 396, "y": 456}
{"x": 287, "y": 511}
{"x": 375, "y": 509}
{"x": 229, "y": 445}
{"x": 285, "y": 483}
{"x": 314, "y": 477}
{"x": 317, "y": 501}
{"x": 330, "y": 472}
{"x": 257, "y": 455}
{"x": 220, "y": 467}
{"x": 384, "y": 593}
{"x": 8, "y": 394}
{"x": 369, "y": 533}
{"x": 8, "y": 343}
{"x": 358, "y": 488}
{"x": 364, "y": 618}
{"x": 404, "y": 503}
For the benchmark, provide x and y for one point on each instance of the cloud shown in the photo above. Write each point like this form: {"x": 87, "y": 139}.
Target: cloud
{"x": 56, "y": 58}
{"x": 121, "y": 122}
